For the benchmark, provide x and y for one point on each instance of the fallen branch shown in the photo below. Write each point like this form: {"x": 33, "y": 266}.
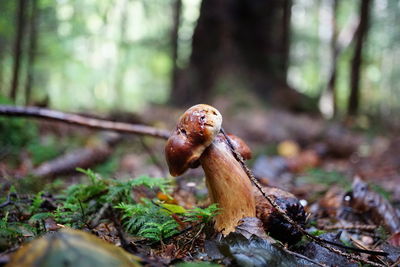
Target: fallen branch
{"x": 8, "y": 201}
{"x": 319, "y": 241}
{"x": 42, "y": 113}
{"x": 82, "y": 157}
{"x": 303, "y": 257}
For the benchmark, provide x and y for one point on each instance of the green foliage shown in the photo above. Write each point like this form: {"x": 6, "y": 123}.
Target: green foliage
{"x": 204, "y": 215}
{"x": 153, "y": 221}
{"x": 320, "y": 176}
{"x": 83, "y": 200}
{"x": 79, "y": 203}
{"x": 381, "y": 232}
{"x": 317, "y": 232}
{"x": 36, "y": 202}
{"x": 43, "y": 152}
{"x": 8, "y": 229}
{"x": 109, "y": 167}
{"x": 15, "y": 133}
{"x": 11, "y": 230}
{"x": 39, "y": 217}
{"x": 147, "y": 220}
{"x": 159, "y": 231}
{"x": 381, "y": 191}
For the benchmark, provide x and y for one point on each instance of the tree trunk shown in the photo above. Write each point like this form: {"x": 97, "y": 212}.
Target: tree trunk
{"x": 2, "y": 47}
{"x": 239, "y": 42}
{"x": 19, "y": 38}
{"x": 362, "y": 31}
{"x": 286, "y": 33}
{"x": 331, "y": 89}
{"x": 177, "y": 10}
{"x": 32, "y": 51}
{"x": 121, "y": 63}
{"x": 194, "y": 84}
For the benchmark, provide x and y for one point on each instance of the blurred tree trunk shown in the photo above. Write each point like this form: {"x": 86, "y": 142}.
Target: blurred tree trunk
{"x": 177, "y": 12}
{"x": 19, "y": 38}
{"x": 194, "y": 83}
{"x": 286, "y": 33}
{"x": 3, "y": 42}
{"x": 31, "y": 51}
{"x": 122, "y": 55}
{"x": 239, "y": 41}
{"x": 334, "y": 55}
{"x": 2, "y": 48}
{"x": 362, "y": 31}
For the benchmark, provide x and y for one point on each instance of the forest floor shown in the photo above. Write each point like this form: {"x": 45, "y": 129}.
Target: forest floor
{"x": 345, "y": 175}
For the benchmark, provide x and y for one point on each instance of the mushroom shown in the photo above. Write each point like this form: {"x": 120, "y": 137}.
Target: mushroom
{"x": 197, "y": 140}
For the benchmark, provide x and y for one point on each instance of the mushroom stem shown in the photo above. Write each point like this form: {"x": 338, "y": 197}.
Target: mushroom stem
{"x": 228, "y": 186}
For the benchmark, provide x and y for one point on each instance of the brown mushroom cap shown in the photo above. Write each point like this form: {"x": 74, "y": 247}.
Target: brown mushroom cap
{"x": 195, "y": 131}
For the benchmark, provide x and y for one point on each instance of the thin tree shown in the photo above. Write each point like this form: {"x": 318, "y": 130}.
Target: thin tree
{"x": 122, "y": 55}
{"x": 2, "y": 48}
{"x": 19, "y": 38}
{"x": 331, "y": 88}
{"x": 356, "y": 63}
{"x": 286, "y": 34}
{"x": 32, "y": 50}
{"x": 176, "y": 22}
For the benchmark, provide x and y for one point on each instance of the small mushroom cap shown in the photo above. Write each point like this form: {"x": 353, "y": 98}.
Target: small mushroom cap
{"x": 195, "y": 131}
{"x": 240, "y": 146}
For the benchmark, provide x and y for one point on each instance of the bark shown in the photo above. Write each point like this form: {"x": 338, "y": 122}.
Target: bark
{"x": 362, "y": 31}
{"x": 32, "y": 51}
{"x": 75, "y": 119}
{"x": 19, "y": 38}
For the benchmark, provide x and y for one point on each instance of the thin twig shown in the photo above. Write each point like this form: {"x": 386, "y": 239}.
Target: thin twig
{"x": 318, "y": 240}
{"x": 361, "y": 227}
{"x": 97, "y": 216}
{"x": 8, "y": 201}
{"x": 397, "y": 263}
{"x": 303, "y": 257}
{"x": 359, "y": 244}
{"x": 75, "y": 119}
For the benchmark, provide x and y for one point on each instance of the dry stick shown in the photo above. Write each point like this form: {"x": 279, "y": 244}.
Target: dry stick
{"x": 95, "y": 220}
{"x": 75, "y": 119}
{"x": 361, "y": 227}
{"x": 7, "y": 202}
{"x": 304, "y": 257}
{"x": 396, "y": 263}
{"x": 360, "y": 245}
{"x": 318, "y": 240}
